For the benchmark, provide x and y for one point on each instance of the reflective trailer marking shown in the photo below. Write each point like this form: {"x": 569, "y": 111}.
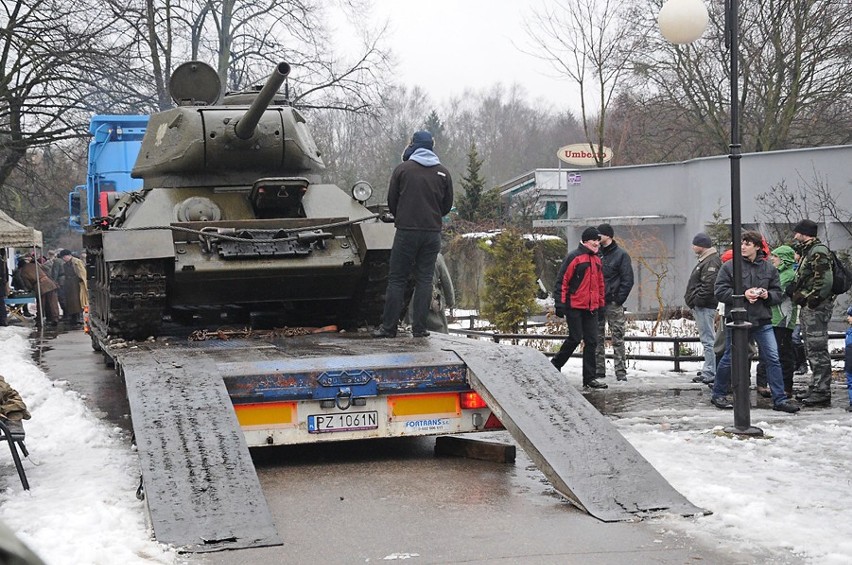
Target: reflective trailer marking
{"x": 265, "y": 413}
{"x": 418, "y": 404}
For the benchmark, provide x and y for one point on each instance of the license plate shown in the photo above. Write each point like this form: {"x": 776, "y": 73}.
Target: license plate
{"x": 343, "y": 422}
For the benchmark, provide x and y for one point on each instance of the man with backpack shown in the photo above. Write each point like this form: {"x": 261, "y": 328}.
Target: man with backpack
{"x": 812, "y": 290}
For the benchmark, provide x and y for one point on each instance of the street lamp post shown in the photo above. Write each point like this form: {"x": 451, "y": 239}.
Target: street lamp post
{"x": 684, "y": 21}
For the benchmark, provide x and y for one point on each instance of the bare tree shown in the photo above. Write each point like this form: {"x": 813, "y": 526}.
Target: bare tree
{"x": 525, "y": 208}
{"x": 245, "y": 39}
{"x": 653, "y": 256}
{"x": 590, "y": 43}
{"x": 796, "y": 75}
{"x": 37, "y": 189}
{"x": 368, "y": 146}
{"x": 782, "y": 206}
{"x": 56, "y": 58}
{"x": 512, "y": 135}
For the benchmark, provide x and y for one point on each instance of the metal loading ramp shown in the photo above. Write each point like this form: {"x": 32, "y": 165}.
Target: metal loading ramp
{"x": 577, "y": 448}
{"x": 201, "y": 487}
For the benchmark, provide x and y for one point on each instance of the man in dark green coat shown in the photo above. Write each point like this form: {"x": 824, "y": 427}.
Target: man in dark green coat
{"x": 811, "y": 289}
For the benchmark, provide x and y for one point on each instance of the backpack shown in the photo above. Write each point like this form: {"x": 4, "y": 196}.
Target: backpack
{"x": 841, "y": 275}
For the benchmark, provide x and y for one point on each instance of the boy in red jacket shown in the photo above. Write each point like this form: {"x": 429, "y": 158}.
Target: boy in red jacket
{"x": 579, "y": 294}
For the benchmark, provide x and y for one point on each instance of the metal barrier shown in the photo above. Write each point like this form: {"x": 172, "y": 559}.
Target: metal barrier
{"x": 676, "y": 341}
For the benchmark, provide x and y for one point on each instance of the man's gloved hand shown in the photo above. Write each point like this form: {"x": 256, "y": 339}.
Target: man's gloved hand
{"x": 814, "y": 301}
{"x": 799, "y": 298}
{"x": 789, "y": 290}
{"x": 560, "y": 310}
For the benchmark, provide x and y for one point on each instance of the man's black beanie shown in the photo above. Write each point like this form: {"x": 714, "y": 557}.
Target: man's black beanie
{"x": 806, "y": 227}
{"x": 590, "y": 233}
{"x": 606, "y": 229}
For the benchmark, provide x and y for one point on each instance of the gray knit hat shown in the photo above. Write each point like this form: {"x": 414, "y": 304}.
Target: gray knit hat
{"x": 701, "y": 239}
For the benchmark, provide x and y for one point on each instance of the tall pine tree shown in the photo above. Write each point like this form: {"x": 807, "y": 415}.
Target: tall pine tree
{"x": 510, "y": 286}
{"x": 476, "y": 203}
{"x": 434, "y": 126}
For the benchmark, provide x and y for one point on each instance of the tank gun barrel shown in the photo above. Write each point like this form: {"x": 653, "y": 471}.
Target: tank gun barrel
{"x": 244, "y": 128}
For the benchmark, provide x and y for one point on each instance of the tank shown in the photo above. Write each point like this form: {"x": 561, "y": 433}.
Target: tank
{"x": 233, "y": 225}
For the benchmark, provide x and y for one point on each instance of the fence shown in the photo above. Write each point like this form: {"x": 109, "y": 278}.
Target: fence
{"x": 677, "y": 357}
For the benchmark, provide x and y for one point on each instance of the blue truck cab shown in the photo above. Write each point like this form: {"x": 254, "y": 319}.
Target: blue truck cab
{"x": 112, "y": 152}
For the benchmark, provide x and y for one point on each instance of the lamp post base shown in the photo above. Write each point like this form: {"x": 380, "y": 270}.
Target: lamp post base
{"x": 749, "y": 431}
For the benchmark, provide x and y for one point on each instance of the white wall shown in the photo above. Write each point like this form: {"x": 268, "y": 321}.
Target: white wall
{"x": 695, "y": 190}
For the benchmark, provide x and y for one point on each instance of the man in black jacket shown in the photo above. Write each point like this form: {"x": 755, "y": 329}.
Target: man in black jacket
{"x": 419, "y": 195}
{"x": 618, "y": 281}
{"x": 762, "y": 291}
{"x": 699, "y": 296}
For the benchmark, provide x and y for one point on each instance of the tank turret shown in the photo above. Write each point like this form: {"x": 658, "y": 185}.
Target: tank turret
{"x": 242, "y": 136}
{"x": 233, "y": 224}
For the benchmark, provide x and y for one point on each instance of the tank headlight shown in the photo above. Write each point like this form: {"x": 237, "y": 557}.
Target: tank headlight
{"x": 362, "y": 191}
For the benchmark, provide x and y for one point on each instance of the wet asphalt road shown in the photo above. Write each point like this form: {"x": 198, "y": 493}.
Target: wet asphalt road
{"x": 387, "y": 500}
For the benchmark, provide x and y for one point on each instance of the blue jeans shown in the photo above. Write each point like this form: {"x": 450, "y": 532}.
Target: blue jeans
{"x": 704, "y": 321}
{"x": 849, "y": 385}
{"x": 413, "y": 251}
{"x": 767, "y": 349}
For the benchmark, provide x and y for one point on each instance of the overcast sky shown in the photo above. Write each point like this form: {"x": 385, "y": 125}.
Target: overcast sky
{"x": 446, "y": 46}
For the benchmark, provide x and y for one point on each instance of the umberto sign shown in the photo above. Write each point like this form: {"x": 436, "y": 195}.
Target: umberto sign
{"x": 583, "y": 154}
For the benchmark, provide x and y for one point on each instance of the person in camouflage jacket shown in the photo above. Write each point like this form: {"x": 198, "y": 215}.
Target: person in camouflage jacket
{"x": 811, "y": 289}
{"x": 12, "y": 407}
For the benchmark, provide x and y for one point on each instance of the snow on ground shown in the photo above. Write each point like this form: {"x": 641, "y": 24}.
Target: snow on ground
{"x": 788, "y": 494}
{"x": 82, "y": 507}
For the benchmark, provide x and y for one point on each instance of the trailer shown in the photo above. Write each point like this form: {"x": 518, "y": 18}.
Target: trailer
{"x": 199, "y": 405}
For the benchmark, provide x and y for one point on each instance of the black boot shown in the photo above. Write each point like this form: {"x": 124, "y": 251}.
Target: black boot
{"x": 817, "y": 399}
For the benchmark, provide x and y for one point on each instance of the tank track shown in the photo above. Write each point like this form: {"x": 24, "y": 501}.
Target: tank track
{"x": 127, "y": 299}
{"x": 370, "y": 301}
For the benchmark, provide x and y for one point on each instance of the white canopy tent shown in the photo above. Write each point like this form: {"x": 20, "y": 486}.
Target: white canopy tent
{"x": 16, "y": 234}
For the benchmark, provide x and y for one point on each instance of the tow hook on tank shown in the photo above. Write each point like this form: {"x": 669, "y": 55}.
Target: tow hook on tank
{"x": 314, "y": 236}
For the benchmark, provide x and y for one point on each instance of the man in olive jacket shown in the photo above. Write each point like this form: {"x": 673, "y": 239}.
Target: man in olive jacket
{"x": 700, "y": 298}
{"x": 618, "y": 282}
{"x": 811, "y": 289}
{"x": 762, "y": 291}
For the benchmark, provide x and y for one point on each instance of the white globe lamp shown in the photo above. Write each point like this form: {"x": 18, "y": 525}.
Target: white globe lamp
{"x": 683, "y": 21}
